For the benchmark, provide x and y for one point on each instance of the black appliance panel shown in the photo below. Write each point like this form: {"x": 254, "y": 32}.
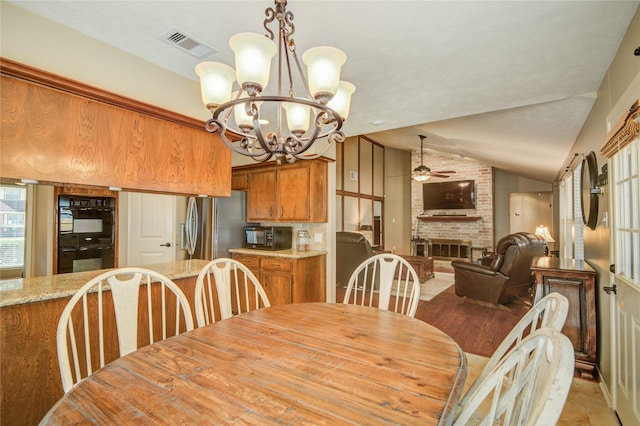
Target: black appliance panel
{"x": 86, "y": 233}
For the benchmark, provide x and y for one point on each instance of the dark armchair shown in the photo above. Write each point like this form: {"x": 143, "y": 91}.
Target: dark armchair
{"x": 503, "y": 276}
{"x": 352, "y": 249}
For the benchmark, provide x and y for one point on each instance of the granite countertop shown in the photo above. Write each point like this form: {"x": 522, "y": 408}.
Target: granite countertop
{"x": 28, "y": 290}
{"x": 289, "y": 253}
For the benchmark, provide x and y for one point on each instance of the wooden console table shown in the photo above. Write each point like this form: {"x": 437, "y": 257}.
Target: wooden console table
{"x": 575, "y": 280}
{"x": 423, "y": 266}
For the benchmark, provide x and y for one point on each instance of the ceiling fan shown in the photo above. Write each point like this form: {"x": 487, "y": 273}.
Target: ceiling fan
{"x": 422, "y": 172}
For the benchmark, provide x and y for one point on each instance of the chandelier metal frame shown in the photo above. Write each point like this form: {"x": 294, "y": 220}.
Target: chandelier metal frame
{"x": 251, "y": 140}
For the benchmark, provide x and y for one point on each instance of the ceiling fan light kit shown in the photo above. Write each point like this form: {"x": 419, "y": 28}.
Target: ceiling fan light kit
{"x": 240, "y": 118}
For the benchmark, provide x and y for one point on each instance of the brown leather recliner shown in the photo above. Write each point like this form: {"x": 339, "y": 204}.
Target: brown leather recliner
{"x": 352, "y": 248}
{"x": 503, "y": 276}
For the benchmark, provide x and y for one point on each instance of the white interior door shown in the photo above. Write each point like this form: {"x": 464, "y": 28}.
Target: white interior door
{"x": 625, "y": 324}
{"x": 151, "y": 235}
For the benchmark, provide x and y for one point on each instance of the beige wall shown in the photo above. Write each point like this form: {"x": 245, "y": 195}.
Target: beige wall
{"x": 504, "y": 184}
{"x": 32, "y": 40}
{"x": 397, "y": 201}
{"x": 619, "y": 88}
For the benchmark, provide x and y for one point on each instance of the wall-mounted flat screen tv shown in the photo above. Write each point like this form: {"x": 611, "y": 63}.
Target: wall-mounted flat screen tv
{"x": 450, "y": 195}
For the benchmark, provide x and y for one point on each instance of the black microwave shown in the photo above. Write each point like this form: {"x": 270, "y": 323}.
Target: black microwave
{"x": 268, "y": 237}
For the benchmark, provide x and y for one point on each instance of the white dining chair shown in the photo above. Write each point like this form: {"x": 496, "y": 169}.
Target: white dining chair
{"x": 550, "y": 312}
{"x": 230, "y": 285}
{"x": 380, "y": 277}
{"x": 110, "y": 305}
{"x": 529, "y": 386}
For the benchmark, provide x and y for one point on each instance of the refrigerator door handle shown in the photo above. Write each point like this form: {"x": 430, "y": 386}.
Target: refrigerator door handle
{"x": 214, "y": 220}
{"x": 191, "y": 226}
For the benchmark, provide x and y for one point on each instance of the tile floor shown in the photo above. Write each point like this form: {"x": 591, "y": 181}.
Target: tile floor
{"x": 585, "y": 404}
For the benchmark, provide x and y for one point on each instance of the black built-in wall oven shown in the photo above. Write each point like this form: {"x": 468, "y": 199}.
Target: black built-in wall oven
{"x": 86, "y": 233}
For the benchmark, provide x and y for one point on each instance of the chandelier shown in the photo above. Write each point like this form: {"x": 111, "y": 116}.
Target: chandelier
{"x": 242, "y": 117}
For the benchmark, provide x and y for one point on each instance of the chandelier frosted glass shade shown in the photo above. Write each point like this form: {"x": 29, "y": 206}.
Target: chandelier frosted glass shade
{"x": 297, "y": 117}
{"x": 252, "y": 122}
{"x": 253, "y": 53}
{"x": 341, "y": 101}
{"x": 216, "y": 82}
{"x": 323, "y": 70}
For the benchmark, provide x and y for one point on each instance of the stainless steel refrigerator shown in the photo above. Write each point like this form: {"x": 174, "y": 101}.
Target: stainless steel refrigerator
{"x": 215, "y": 225}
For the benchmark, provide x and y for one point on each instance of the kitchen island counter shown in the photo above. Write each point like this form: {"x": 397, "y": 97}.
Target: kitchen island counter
{"x": 288, "y": 254}
{"x": 29, "y": 315}
{"x": 19, "y": 291}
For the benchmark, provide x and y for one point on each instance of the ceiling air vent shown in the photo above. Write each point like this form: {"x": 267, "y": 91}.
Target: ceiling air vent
{"x": 187, "y": 43}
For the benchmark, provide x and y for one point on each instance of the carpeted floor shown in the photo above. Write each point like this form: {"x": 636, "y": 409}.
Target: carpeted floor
{"x": 477, "y": 329}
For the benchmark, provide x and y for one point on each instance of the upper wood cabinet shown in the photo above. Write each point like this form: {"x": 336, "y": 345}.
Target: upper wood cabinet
{"x": 286, "y": 193}
{"x": 60, "y": 131}
{"x": 261, "y": 195}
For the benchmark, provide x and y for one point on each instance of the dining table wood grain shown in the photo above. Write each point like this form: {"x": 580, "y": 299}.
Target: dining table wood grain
{"x": 309, "y": 363}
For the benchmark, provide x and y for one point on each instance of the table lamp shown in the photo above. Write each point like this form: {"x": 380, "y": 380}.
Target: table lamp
{"x": 543, "y": 231}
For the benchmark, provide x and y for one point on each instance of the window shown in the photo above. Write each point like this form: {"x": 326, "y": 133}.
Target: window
{"x": 571, "y": 223}
{"x": 626, "y": 187}
{"x": 12, "y": 229}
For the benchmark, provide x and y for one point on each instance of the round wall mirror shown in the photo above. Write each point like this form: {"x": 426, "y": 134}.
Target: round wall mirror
{"x": 590, "y": 190}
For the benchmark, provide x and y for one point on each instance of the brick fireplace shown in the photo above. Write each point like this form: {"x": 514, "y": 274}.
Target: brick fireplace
{"x": 458, "y": 233}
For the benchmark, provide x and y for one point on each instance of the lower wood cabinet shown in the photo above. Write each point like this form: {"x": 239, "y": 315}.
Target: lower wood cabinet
{"x": 288, "y": 279}
{"x": 575, "y": 280}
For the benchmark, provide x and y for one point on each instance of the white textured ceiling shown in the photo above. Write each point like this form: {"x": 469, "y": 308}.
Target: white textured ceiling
{"x": 509, "y": 83}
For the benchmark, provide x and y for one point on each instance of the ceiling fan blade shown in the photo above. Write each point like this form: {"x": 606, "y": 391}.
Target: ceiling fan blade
{"x": 434, "y": 174}
{"x": 445, "y": 171}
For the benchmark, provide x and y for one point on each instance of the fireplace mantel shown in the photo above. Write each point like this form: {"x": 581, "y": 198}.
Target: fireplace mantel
{"x": 452, "y": 218}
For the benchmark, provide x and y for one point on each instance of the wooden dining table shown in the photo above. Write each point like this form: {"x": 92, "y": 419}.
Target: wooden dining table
{"x": 309, "y": 363}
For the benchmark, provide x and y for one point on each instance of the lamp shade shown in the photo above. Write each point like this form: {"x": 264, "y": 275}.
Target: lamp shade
{"x": 323, "y": 70}
{"x": 297, "y": 117}
{"x": 216, "y": 81}
{"x": 253, "y": 53}
{"x": 341, "y": 101}
{"x": 543, "y": 231}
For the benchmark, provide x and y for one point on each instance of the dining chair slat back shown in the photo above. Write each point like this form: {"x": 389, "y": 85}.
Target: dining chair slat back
{"x": 550, "y": 312}
{"x": 229, "y": 285}
{"x": 109, "y": 309}
{"x": 382, "y": 277}
{"x": 528, "y": 386}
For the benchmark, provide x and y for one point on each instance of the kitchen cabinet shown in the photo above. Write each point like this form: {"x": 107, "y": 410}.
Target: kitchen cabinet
{"x": 239, "y": 181}
{"x": 290, "y": 279}
{"x": 575, "y": 280}
{"x": 285, "y": 193}
{"x": 261, "y": 196}
{"x": 93, "y": 138}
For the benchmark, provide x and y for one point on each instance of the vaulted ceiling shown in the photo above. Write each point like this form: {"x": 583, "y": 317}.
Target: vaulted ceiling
{"x": 507, "y": 83}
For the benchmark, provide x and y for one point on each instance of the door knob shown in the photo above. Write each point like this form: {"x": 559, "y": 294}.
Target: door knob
{"x": 165, "y": 245}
